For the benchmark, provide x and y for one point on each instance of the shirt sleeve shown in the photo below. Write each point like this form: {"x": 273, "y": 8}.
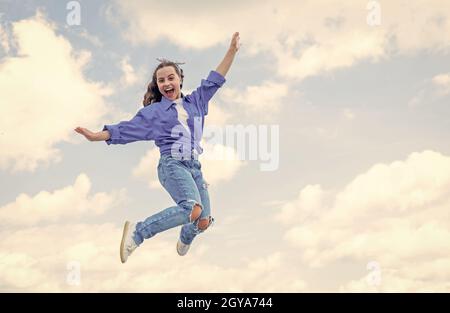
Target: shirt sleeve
{"x": 206, "y": 91}
{"x": 138, "y": 128}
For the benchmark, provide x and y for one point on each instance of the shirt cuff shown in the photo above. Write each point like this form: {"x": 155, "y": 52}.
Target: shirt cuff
{"x": 113, "y": 132}
{"x": 216, "y": 78}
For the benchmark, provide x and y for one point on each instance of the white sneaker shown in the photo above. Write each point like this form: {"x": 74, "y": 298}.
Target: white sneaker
{"x": 182, "y": 249}
{"x": 128, "y": 245}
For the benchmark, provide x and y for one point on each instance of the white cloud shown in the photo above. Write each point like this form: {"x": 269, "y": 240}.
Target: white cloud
{"x": 306, "y": 38}
{"x": 395, "y": 214}
{"x": 216, "y": 115}
{"x": 91, "y": 38}
{"x": 130, "y": 76}
{"x": 335, "y": 52}
{"x": 442, "y": 82}
{"x": 69, "y": 202}
{"x": 18, "y": 270}
{"x": 37, "y": 259}
{"x": 85, "y": 35}
{"x": 433, "y": 89}
{"x": 45, "y": 96}
{"x": 307, "y": 205}
{"x": 260, "y": 100}
{"x": 146, "y": 169}
{"x": 137, "y": 29}
{"x": 220, "y": 163}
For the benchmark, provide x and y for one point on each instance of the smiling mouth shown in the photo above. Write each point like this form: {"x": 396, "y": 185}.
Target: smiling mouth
{"x": 170, "y": 92}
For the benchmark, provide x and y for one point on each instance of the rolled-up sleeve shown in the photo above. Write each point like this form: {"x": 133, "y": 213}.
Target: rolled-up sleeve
{"x": 207, "y": 89}
{"x": 138, "y": 128}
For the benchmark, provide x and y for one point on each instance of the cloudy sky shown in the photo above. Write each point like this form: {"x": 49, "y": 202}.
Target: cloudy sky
{"x": 357, "y": 193}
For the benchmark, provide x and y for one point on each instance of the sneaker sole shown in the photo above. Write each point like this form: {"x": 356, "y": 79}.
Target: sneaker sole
{"x": 122, "y": 243}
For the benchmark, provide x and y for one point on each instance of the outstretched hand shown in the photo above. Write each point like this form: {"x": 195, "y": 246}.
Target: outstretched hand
{"x": 235, "y": 45}
{"x": 91, "y": 136}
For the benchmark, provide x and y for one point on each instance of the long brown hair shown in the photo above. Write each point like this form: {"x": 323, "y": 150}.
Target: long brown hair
{"x": 153, "y": 94}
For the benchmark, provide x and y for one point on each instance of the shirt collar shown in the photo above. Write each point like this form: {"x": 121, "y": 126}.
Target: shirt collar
{"x": 166, "y": 103}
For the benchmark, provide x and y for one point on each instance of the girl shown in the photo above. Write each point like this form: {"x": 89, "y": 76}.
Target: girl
{"x": 175, "y": 122}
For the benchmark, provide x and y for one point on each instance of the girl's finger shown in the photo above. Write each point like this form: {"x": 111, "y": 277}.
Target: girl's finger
{"x": 236, "y": 43}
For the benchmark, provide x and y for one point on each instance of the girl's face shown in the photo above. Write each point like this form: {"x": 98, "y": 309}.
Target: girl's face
{"x": 168, "y": 82}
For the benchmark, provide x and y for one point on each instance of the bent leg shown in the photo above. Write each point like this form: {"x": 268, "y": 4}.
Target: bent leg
{"x": 183, "y": 213}
{"x": 191, "y": 230}
{"x": 179, "y": 183}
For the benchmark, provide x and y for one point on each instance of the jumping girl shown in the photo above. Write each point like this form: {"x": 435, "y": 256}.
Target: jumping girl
{"x": 175, "y": 122}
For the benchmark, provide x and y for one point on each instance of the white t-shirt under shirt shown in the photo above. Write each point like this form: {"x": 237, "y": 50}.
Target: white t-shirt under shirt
{"x": 182, "y": 113}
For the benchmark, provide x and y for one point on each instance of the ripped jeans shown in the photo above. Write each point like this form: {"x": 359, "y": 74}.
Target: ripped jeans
{"x": 183, "y": 179}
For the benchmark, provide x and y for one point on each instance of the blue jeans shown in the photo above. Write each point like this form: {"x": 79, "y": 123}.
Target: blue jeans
{"x": 183, "y": 179}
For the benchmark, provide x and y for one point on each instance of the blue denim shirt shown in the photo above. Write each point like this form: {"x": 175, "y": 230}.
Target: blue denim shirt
{"x": 160, "y": 122}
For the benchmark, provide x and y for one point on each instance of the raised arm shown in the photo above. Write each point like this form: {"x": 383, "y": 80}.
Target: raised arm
{"x": 225, "y": 65}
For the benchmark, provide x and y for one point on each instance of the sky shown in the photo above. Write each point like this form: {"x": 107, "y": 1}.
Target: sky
{"x": 341, "y": 184}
